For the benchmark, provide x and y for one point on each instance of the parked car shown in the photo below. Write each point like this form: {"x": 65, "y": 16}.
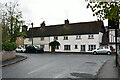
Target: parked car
{"x": 34, "y": 49}
{"x": 103, "y": 49}
{"x": 20, "y": 49}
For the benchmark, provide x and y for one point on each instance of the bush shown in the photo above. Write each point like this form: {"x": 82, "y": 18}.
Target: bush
{"x": 7, "y": 46}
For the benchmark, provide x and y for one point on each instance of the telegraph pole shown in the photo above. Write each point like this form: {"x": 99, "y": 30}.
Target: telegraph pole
{"x": 116, "y": 45}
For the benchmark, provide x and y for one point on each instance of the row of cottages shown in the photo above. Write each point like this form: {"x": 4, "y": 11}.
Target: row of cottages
{"x": 73, "y": 37}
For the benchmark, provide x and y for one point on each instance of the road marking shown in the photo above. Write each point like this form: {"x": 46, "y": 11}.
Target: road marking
{"x": 43, "y": 67}
{"x": 59, "y": 75}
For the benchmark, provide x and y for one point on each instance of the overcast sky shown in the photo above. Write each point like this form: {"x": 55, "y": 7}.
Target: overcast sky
{"x": 55, "y": 11}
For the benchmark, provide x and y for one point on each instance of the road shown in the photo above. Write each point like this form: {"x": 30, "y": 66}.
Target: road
{"x": 54, "y": 65}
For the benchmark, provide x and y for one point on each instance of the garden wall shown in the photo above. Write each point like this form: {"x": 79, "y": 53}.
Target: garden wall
{"x": 5, "y": 55}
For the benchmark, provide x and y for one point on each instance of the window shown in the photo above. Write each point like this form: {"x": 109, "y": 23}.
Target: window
{"x": 30, "y": 39}
{"x": 42, "y": 38}
{"x": 76, "y": 47}
{"x": 57, "y": 47}
{"x": 65, "y": 37}
{"x": 78, "y": 37}
{"x": 42, "y": 46}
{"x": 91, "y": 47}
{"x": 91, "y": 36}
{"x": 55, "y": 38}
{"x": 82, "y": 47}
{"x": 66, "y": 47}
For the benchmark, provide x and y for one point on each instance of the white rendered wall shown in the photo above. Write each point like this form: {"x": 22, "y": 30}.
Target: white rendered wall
{"x": 38, "y": 42}
{"x": 72, "y": 41}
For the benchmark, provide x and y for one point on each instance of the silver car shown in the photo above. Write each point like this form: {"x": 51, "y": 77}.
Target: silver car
{"x": 103, "y": 49}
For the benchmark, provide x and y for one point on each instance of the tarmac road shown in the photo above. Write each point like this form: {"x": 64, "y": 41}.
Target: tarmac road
{"x": 56, "y": 65}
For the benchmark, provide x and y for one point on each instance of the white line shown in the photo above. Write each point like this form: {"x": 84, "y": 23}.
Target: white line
{"x": 58, "y": 76}
{"x": 48, "y": 65}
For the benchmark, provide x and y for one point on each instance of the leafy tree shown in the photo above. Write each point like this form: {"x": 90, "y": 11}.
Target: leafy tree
{"x": 11, "y": 21}
{"x": 105, "y": 10}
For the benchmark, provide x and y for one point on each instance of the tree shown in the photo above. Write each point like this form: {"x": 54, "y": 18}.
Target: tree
{"x": 11, "y": 21}
{"x": 105, "y": 10}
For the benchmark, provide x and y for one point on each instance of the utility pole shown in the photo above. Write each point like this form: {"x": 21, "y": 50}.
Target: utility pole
{"x": 32, "y": 33}
{"x": 116, "y": 45}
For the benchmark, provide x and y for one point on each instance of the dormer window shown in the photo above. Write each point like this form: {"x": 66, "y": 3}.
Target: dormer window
{"x": 90, "y": 36}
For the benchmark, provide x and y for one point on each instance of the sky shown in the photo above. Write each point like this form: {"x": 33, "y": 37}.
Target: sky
{"x": 55, "y": 11}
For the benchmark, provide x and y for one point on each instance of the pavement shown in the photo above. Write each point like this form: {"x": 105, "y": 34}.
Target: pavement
{"x": 109, "y": 70}
{"x": 96, "y": 69}
{"x": 17, "y": 59}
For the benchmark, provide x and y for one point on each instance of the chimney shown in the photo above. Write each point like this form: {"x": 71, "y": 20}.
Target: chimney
{"x": 24, "y": 28}
{"x": 67, "y": 21}
{"x": 43, "y": 24}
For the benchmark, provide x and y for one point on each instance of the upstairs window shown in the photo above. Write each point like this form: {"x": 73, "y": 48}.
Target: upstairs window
{"x": 65, "y": 37}
{"x": 55, "y": 38}
{"x": 30, "y": 39}
{"x": 78, "y": 37}
{"x": 90, "y": 36}
{"x": 42, "y": 38}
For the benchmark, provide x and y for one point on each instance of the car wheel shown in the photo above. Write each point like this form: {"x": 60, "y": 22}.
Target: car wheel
{"x": 94, "y": 52}
{"x": 108, "y": 53}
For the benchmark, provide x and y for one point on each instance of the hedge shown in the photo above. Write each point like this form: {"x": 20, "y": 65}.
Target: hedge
{"x": 7, "y": 46}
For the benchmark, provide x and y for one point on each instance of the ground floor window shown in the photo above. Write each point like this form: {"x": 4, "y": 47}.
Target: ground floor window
{"x": 119, "y": 47}
{"x": 82, "y": 47}
{"x": 42, "y": 46}
{"x": 91, "y": 47}
{"x": 76, "y": 47}
{"x": 57, "y": 47}
{"x": 67, "y": 47}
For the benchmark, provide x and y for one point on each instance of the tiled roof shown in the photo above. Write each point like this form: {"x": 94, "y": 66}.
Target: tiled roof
{"x": 93, "y": 27}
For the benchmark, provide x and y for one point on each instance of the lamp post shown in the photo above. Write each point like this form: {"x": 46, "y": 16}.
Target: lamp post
{"x": 32, "y": 33}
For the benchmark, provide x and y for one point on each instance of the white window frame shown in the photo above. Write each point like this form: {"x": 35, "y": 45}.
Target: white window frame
{"x": 76, "y": 46}
{"x": 55, "y": 37}
{"x": 41, "y": 38}
{"x": 67, "y": 47}
{"x": 65, "y": 38}
{"x": 57, "y": 47}
{"x": 82, "y": 47}
{"x": 90, "y": 36}
{"x": 78, "y": 37}
{"x": 91, "y": 47}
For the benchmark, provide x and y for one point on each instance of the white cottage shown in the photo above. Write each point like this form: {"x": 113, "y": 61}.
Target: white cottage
{"x": 73, "y": 37}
